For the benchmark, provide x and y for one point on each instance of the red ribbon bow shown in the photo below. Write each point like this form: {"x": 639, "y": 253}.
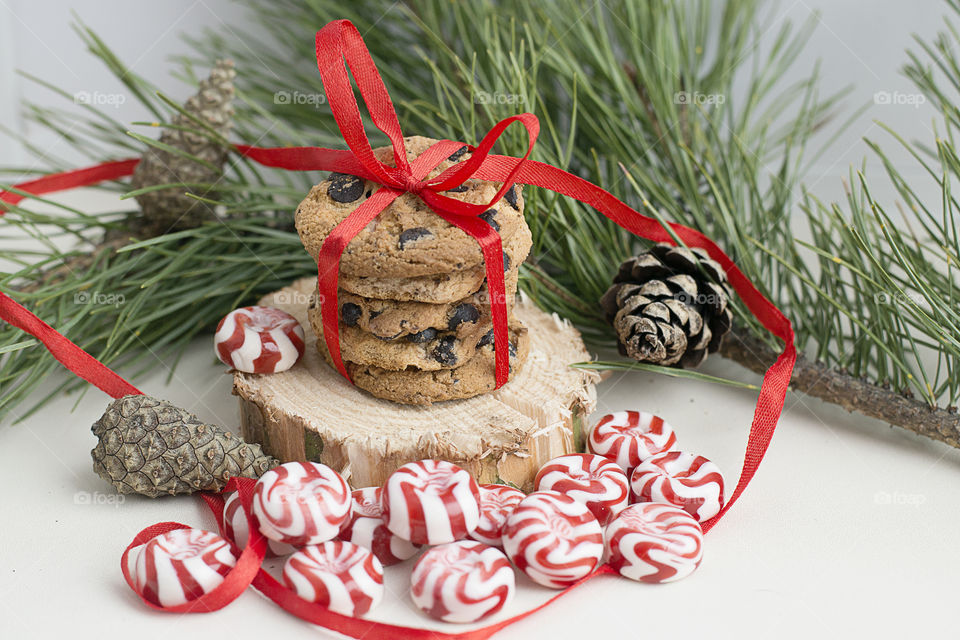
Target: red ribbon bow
{"x": 337, "y": 42}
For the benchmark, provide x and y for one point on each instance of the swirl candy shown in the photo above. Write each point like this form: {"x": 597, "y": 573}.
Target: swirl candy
{"x": 462, "y": 581}
{"x": 235, "y": 528}
{"x": 365, "y": 527}
{"x": 431, "y": 502}
{"x": 591, "y": 479}
{"x": 181, "y": 565}
{"x": 342, "y": 576}
{"x": 553, "y": 539}
{"x": 497, "y": 501}
{"x": 653, "y": 542}
{"x": 630, "y": 437}
{"x": 688, "y": 481}
{"x": 259, "y": 340}
{"x": 301, "y": 503}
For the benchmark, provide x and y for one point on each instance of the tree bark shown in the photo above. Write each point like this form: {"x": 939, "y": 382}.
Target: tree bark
{"x": 853, "y": 394}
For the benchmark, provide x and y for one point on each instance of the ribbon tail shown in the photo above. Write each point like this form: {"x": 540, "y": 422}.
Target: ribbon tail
{"x": 777, "y": 378}
{"x": 84, "y": 177}
{"x": 68, "y": 353}
{"x": 492, "y": 248}
{"x": 328, "y": 268}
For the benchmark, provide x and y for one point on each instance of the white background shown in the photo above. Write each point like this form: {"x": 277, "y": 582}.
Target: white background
{"x": 848, "y": 530}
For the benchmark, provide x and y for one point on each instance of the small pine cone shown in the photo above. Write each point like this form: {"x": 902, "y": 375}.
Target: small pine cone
{"x": 151, "y": 447}
{"x": 171, "y": 209}
{"x": 669, "y": 306}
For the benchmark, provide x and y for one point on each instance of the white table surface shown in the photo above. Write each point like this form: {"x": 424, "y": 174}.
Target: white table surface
{"x": 847, "y": 530}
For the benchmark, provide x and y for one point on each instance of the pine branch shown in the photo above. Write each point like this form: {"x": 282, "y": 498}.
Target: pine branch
{"x": 853, "y": 394}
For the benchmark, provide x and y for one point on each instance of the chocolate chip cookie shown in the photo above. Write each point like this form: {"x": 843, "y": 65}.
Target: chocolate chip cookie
{"x": 440, "y": 288}
{"x": 407, "y": 239}
{"x": 413, "y": 386}
{"x": 391, "y": 319}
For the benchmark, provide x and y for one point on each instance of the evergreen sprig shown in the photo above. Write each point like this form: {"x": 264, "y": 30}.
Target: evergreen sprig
{"x": 638, "y": 97}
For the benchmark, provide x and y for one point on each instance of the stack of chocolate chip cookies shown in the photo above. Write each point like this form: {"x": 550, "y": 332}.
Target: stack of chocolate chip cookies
{"x": 415, "y": 324}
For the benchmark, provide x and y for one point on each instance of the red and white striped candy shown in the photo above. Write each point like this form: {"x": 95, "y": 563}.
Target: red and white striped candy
{"x": 181, "y": 565}
{"x": 431, "y": 502}
{"x": 497, "y": 501}
{"x": 462, "y": 581}
{"x": 591, "y": 479}
{"x": 236, "y": 530}
{"x": 553, "y": 539}
{"x": 365, "y": 527}
{"x": 653, "y": 542}
{"x": 630, "y": 437}
{"x": 342, "y": 576}
{"x": 259, "y": 340}
{"x": 686, "y": 480}
{"x": 301, "y": 503}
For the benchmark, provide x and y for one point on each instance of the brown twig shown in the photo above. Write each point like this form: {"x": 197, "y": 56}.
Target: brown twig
{"x": 853, "y": 394}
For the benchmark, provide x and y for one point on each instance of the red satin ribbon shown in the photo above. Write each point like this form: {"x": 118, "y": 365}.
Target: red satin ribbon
{"x": 338, "y": 42}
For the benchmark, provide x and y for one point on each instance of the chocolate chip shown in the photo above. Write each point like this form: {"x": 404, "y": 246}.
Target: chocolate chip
{"x": 465, "y": 312}
{"x": 374, "y": 314}
{"x": 489, "y": 216}
{"x": 488, "y": 340}
{"x": 350, "y": 314}
{"x": 459, "y": 189}
{"x": 506, "y": 261}
{"x": 511, "y": 197}
{"x": 345, "y": 187}
{"x": 443, "y": 352}
{"x": 456, "y": 155}
{"x": 424, "y": 336}
{"x": 412, "y": 235}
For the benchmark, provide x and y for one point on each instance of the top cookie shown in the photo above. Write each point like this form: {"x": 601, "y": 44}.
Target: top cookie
{"x": 407, "y": 239}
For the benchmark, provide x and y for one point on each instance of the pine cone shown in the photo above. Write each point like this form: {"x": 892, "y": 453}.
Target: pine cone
{"x": 171, "y": 209}
{"x": 669, "y": 306}
{"x": 151, "y": 447}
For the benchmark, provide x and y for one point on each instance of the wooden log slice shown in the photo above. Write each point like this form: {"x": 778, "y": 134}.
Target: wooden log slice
{"x": 311, "y": 413}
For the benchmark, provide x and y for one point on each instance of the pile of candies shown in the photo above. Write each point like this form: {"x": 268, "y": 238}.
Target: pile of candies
{"x": 634, "y": 498}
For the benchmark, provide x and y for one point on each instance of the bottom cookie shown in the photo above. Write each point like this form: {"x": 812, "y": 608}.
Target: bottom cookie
{"x": 414, "y": 386}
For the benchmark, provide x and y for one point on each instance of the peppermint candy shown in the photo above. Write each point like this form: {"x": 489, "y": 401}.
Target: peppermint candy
{"x": 630, "y": 437}
{"x": 259, "y": 340}
{"x": 365, "y": 527}
{"x": 342, "y": 576}
{"x": 591, "y": 479}
{"x": 553, "y": 538}
{"x": 235, "y": 528}
{"x": 462, "y": 581}
{"x": 653, "y": 542}
{"x": 301, "y": 503}
{"x": 181, "y": 565}
{"x": 685, "y": 480}
{"x": 497, "y": 501}
{"x": 431, "y": 502}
